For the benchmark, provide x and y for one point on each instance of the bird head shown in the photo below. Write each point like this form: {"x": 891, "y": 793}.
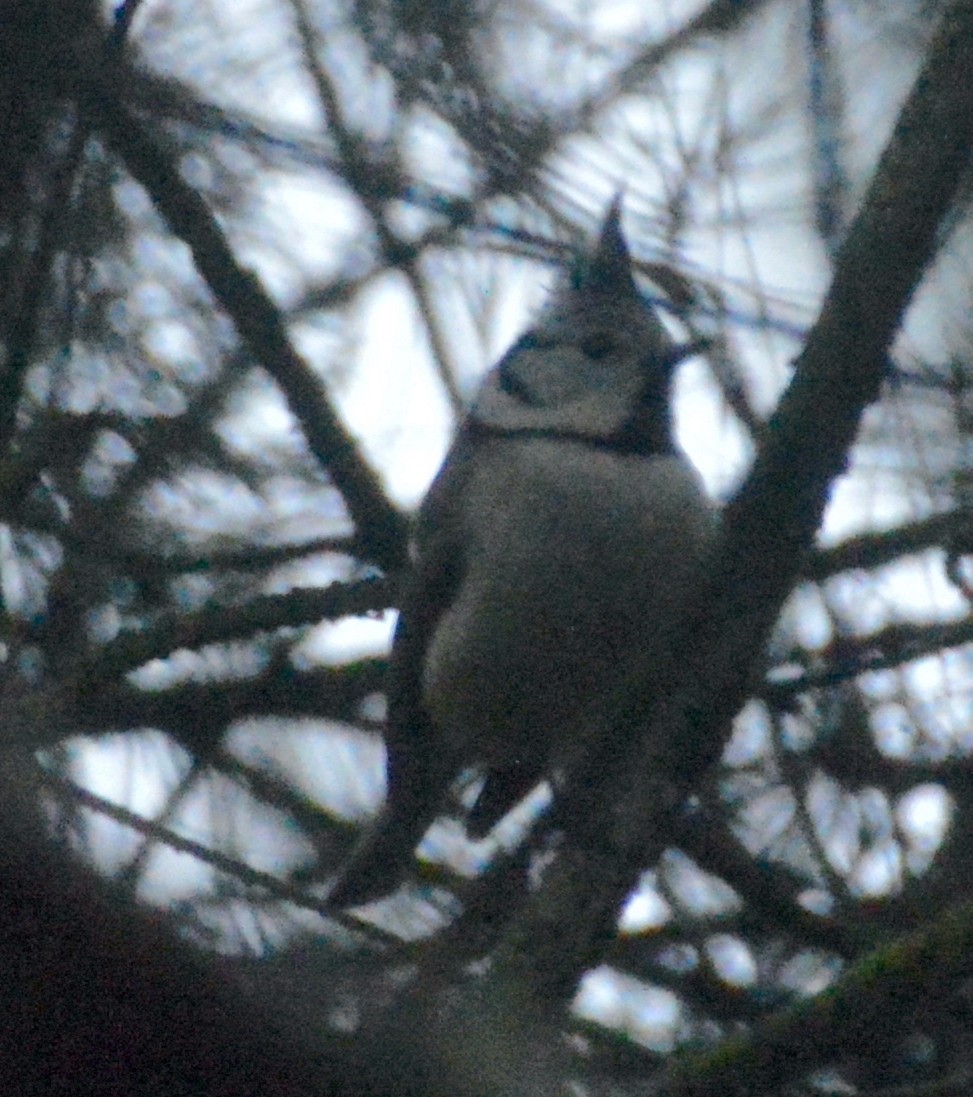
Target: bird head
{"x": 596, "y": 359}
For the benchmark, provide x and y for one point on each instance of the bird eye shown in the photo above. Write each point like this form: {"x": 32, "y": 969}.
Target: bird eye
{"x": 598, "y": 345}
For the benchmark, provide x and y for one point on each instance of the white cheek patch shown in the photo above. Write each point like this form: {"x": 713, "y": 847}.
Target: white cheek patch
{"x": 560, "y": 390}
{"x": 568, "y": 375}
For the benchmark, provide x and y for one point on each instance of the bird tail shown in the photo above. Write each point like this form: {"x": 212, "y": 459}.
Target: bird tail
{"x": 380, "y": 860}
{"x": 503, "y": 788}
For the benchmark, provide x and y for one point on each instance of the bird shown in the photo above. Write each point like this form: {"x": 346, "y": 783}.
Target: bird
{"x": 556, "y": 549}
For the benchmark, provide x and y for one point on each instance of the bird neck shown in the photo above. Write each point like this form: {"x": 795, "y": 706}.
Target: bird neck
{"x": 647, "y": 432}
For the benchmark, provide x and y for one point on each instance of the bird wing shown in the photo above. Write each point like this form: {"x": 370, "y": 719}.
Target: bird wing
{"x": 419, "y": 765}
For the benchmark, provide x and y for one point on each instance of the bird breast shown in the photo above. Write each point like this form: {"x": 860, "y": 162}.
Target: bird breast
{"x": 578, "y": 564}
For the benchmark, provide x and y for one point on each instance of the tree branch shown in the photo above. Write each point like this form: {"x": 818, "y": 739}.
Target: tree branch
{"x": 215, "y": 624}
{"x": 880, "y": 991}
{"x": 621, "y": 804}
{"x": 382, "y": 528}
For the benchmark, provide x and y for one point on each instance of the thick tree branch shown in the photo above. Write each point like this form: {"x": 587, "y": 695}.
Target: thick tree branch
{"x": 624, "y": 803}
{"x": 100, "y": 998}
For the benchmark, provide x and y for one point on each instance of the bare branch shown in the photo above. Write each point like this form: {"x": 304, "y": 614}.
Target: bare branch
{"x": 381, "y": 528}
{"x": 622, "y": 803}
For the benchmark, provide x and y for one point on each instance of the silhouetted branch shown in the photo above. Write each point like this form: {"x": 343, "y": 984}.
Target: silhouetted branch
{"x": 195, "y": 714}
{"x": 245, "y": 874}
{"x": 214, "y": 624}
{"x": 847, "y": 658}
{"x": 382, "y": 529}
{"x": 718, "y": 17}
{"x": 624, "y": 799}
{"x": 873, "y": 550}
{"x": 880, "y": 992}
